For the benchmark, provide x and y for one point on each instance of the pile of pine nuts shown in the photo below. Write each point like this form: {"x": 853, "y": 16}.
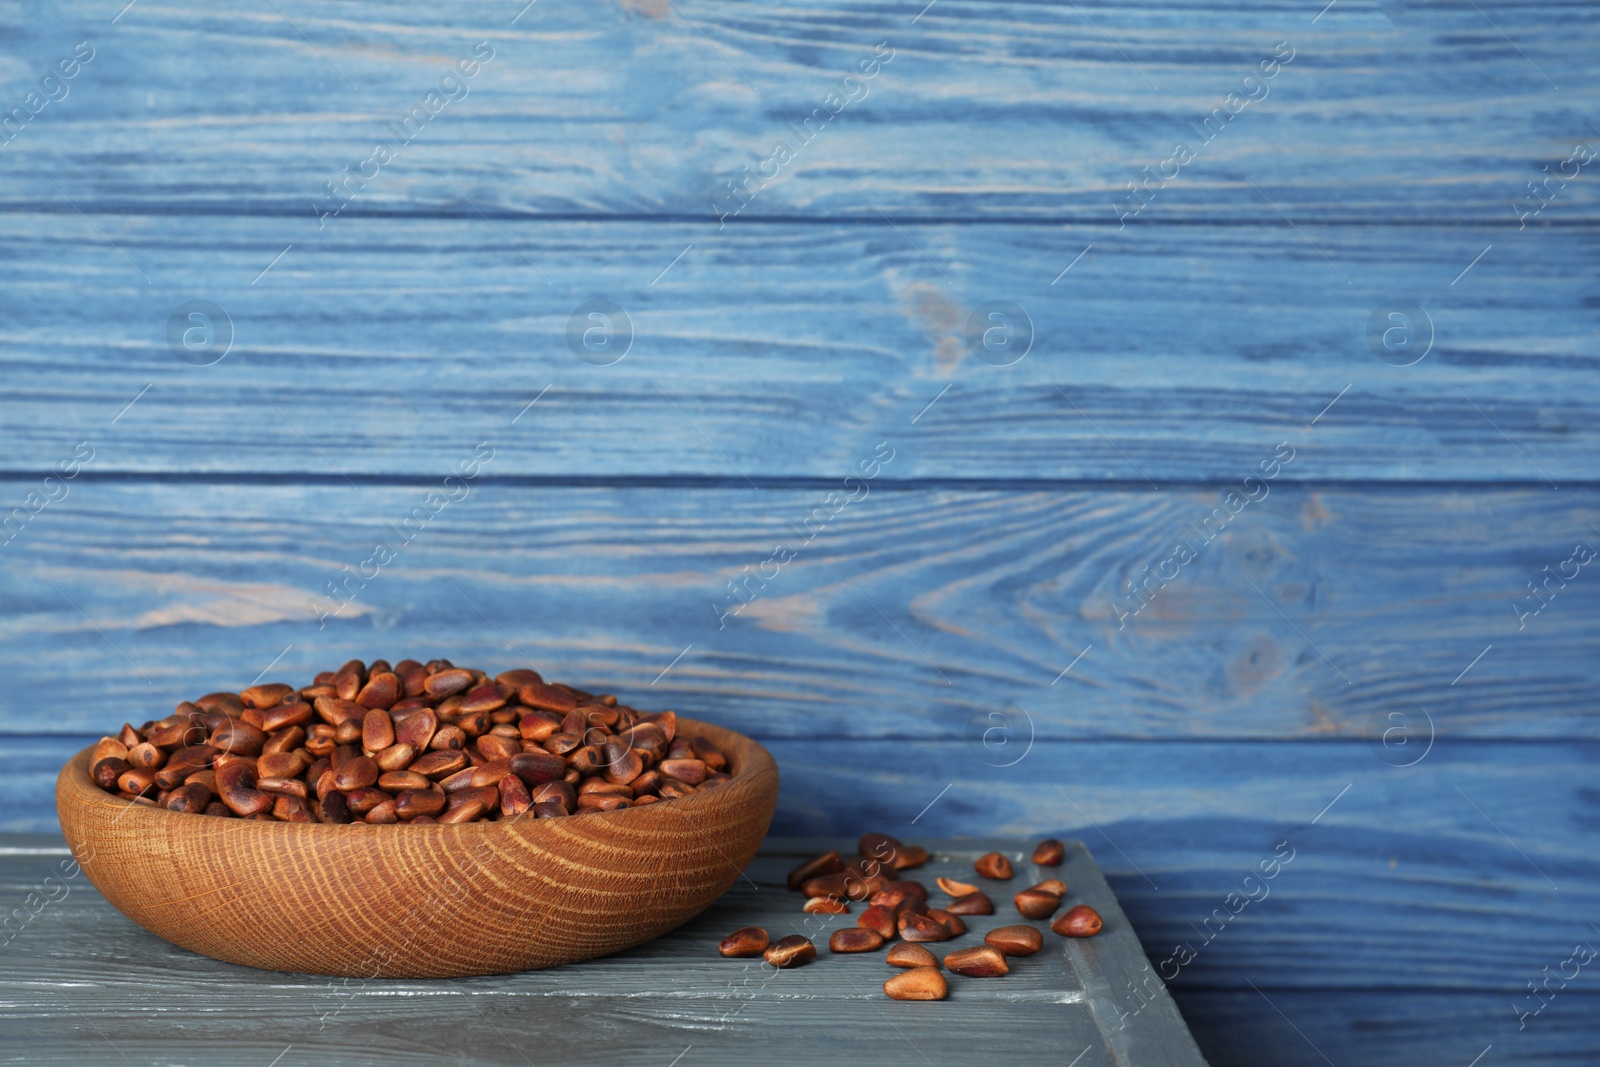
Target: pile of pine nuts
{"x": 412, "y": 742}
{"x": 899, "y": 907}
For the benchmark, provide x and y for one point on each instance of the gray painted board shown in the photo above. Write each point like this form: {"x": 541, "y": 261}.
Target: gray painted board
{"x": 79, "y": 983}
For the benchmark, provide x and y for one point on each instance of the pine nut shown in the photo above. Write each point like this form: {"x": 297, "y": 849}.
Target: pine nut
{"x": 919, "y": 983}
{"x": 1036, "y": 903}
{"x": 980, "y": 961}
{"x": 791, "y": 951}
{"x": 992, "y": 865}
{"x": 1050, "y": 853}
{"x": 909, "y": 955}
{"x": 955, "y": 888}
{"x": 422, "y": 743}
{"x": 1015, "y": 940}
{"x": 1079, "y": 921}
{"x": 915, "y": 927}
{"x": 974, "y": 903}
{"x": 749, "y": 941}
{"x": 828, "y": 863}
{"x": 825, "y": 906}
{"x": 855, "y": 939}
{"x": 879, "y": 920}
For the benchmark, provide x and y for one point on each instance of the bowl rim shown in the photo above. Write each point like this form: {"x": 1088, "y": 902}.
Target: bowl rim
{"x": 74, "y": 786}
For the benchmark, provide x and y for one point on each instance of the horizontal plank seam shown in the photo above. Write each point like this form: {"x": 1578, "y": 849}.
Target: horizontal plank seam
{"x": 1569, "y": 222}
{"x": 766, "y": 481}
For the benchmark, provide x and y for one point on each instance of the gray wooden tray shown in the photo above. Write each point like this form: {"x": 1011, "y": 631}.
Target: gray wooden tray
{"x": 81, "y": 984}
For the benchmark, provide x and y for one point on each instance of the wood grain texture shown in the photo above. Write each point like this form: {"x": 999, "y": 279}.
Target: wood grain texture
{"x": 1388, "y": 163}
{"x": 1318, "y": 613}
{"x": 655, "y": 1001}
{"x": 437, "y": 901}
{"x": 1390, "y": 111}
{"x": 1167, "y": 354}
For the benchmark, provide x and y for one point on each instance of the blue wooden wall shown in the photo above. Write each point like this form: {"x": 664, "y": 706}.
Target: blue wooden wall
{"x": 932, "y": 543}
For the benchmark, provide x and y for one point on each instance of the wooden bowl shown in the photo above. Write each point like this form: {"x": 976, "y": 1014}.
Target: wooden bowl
{"x": 431, "y": 901}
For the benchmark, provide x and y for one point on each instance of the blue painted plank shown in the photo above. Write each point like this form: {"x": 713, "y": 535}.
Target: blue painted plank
{"x": 1391, "y": 1028}
{"x": 28, "y": 767}
{"x": 1295, "y": 865}
{"x": 1315, "y": 613}
{"x": 1385, "y": 111}
{"x": 1164, "y": 355}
